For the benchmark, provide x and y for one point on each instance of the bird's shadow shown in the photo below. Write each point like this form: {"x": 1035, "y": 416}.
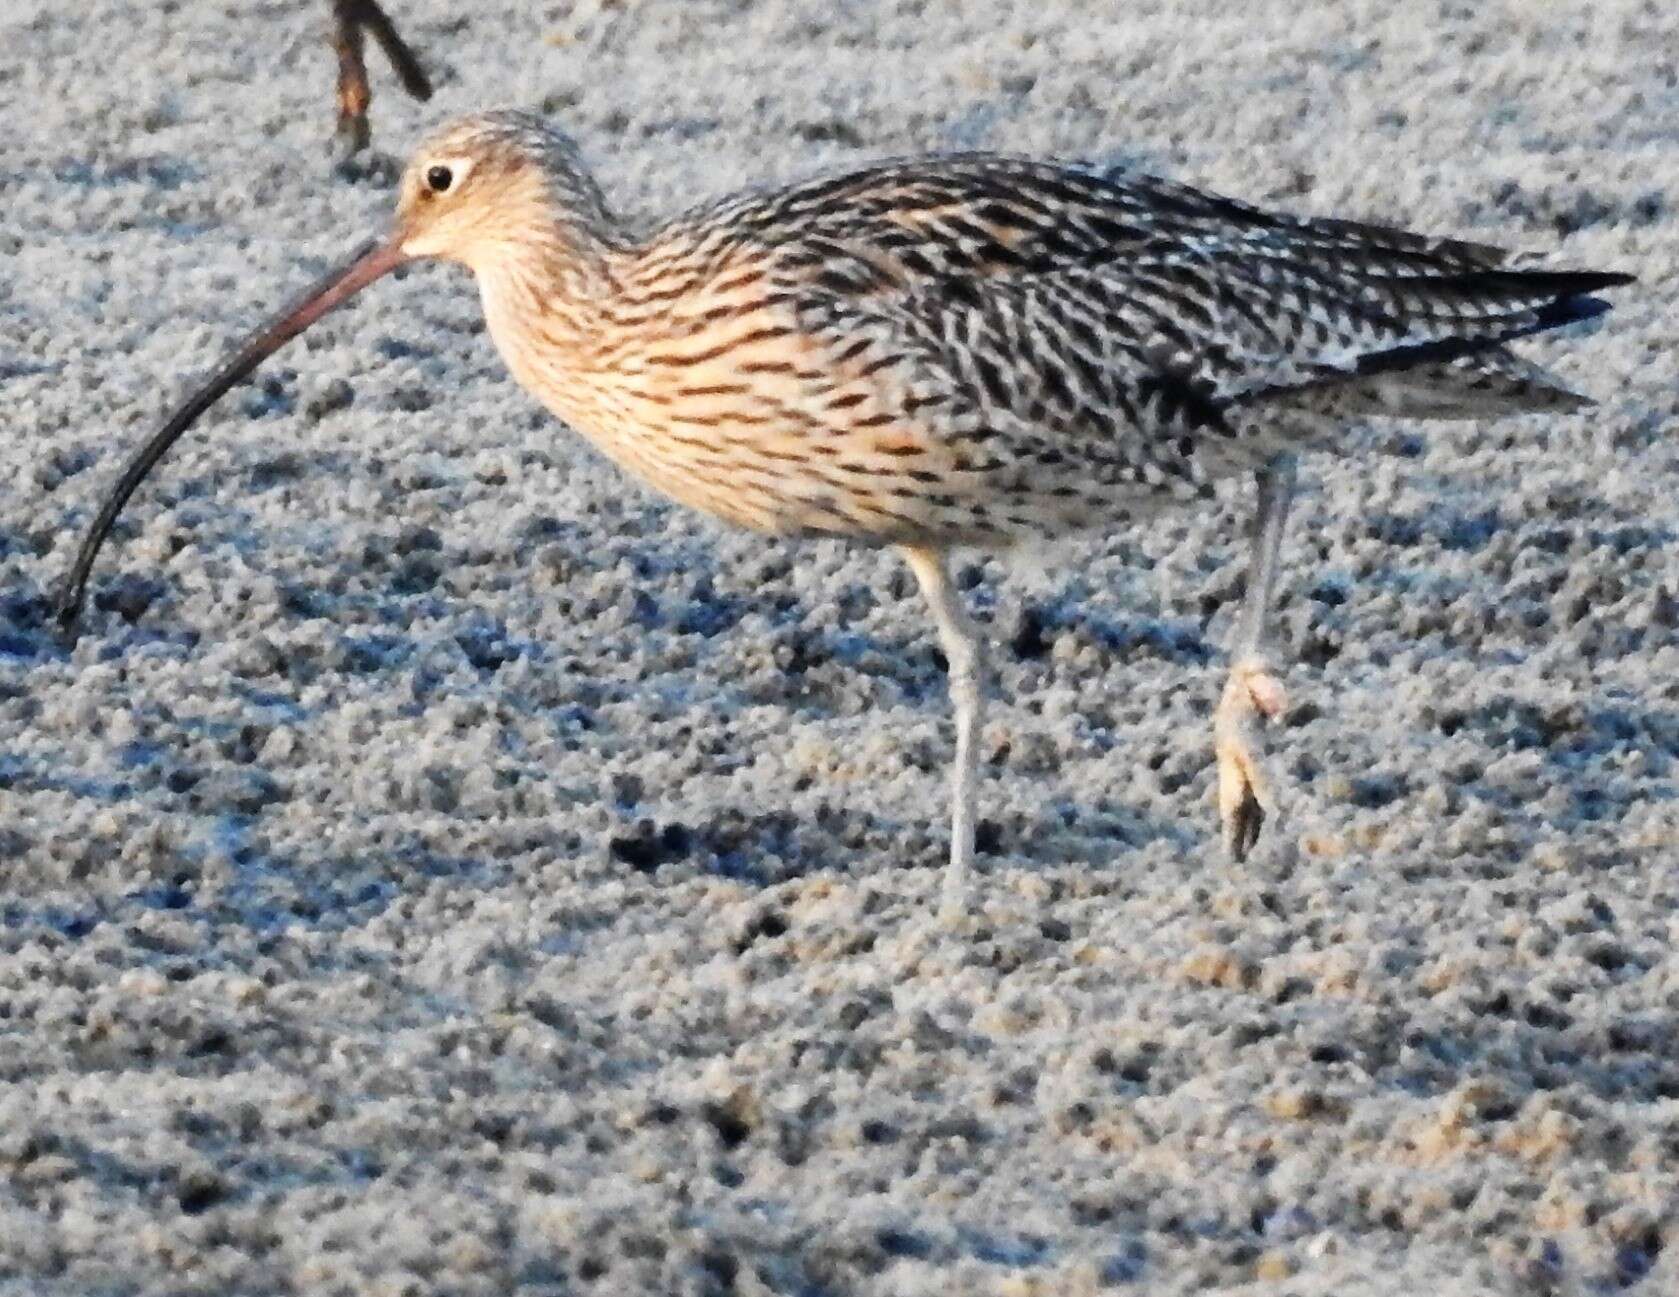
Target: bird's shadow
{"x": 764, "y": 848}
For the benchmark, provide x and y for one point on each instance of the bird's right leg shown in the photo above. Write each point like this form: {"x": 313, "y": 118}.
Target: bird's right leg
{"x": 1251, "y": 692}
{"x": 964, "y": 650}
{"x": 352, "y": 20}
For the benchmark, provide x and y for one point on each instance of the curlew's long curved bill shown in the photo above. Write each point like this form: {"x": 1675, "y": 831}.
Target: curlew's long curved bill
{"x": 373, "y": 259}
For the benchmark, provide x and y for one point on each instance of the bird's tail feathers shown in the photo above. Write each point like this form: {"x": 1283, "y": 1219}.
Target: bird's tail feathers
{"x": 1483, "y": 385}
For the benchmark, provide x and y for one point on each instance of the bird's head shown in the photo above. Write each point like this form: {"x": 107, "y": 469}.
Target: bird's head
{"x": 490, "y": 191}
{"x": 495, "y": 185}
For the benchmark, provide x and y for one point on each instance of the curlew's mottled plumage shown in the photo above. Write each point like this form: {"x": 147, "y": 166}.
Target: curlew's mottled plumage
{"x": 962, "y": 350}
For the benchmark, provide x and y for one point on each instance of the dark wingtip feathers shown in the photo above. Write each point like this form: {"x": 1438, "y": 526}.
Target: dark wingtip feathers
{"x": 1573, "y": 301}
{"x": 1570, "y": 283}
{"x": 1595, "y": 281}
{"x": 1572, "y": 305}
{"x": 1569, "y": 310}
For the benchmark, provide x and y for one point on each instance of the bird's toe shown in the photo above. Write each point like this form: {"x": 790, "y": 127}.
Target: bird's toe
{"x": 352, "y": 136}
{"x": 1242, "y": 825}
{"x": 1245, "y": 798}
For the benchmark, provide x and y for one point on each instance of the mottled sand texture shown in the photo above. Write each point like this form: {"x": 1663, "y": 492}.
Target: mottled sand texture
{"x": 441, "y": 867}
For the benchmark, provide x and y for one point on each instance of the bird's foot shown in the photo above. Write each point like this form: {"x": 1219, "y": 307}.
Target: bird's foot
{"x": 351, "y": 136}
{"x": 1245, "y": 797}
{"x": 353, "y": 21}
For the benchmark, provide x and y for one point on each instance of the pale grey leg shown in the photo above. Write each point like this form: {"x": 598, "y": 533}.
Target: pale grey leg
{"x": 964, "y": 647}
{"x": 1245, "y": 797}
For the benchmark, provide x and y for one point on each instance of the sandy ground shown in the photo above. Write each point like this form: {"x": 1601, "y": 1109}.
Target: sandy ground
{"x": 442, "y": 867}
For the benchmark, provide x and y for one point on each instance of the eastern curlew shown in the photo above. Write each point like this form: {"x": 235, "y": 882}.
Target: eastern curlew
{"x": 965, "y": 350}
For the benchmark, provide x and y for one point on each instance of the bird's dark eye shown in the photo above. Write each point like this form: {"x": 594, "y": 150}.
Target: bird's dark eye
{"x": 439, "y": 179}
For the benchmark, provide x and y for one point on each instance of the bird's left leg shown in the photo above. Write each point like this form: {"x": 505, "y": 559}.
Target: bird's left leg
{"x": 1251, "y": 692}
{"x": 964, "y": 649}
{"x": 352, "y": 20}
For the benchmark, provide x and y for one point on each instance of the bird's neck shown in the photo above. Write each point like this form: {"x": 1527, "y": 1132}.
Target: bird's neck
{"x": 544, "y": 306}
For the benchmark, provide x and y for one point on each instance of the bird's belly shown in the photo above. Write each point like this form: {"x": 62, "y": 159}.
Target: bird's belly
{"x": 688, "y": 442}
{"x": 895, "y": 484}
{"x": 846, "y": 460}
{"x": 787, "y": 479}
